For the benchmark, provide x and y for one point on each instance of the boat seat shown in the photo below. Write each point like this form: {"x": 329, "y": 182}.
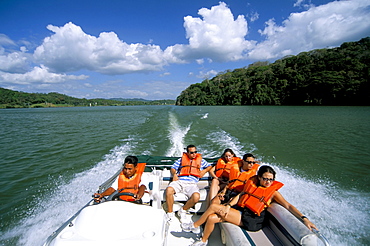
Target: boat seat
{"x": 280, "y": 222}
{"x": 233, "y": 235}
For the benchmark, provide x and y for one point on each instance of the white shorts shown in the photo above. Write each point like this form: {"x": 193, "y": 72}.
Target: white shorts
{"x": 186, "y": 187}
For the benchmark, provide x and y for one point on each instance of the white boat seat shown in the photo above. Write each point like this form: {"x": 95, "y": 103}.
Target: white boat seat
{"x": 293, "y": 229}
{"x": 232, "y": 235}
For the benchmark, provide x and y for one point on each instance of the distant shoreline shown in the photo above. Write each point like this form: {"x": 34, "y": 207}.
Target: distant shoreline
{"x": 50, "y": 105}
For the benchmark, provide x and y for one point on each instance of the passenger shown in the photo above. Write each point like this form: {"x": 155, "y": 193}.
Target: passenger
{"x": 238, "y": 177}
{"x": 186, "y": 172}
{"x": 248, "y": 208}
{"x": 130, "y": 180}
{"x": 221, "y": 172}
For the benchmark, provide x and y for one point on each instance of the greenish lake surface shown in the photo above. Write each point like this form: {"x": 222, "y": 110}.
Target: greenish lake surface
{"x": 52, "y": 160}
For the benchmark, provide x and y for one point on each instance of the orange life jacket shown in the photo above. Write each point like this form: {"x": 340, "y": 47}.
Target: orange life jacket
{"x": 238, "y": 179}
{"x": 190, "y": 167}
{"x": 130, "y": 185}
{"x": 257, "y": 198}
{"x": 222, "y": 168}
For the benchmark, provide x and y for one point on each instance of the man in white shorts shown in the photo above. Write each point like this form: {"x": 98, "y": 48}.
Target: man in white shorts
{"x": 186, "y": 172}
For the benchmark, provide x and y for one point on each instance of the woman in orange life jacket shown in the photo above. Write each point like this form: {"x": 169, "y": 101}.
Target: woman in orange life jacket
{"x": 130, "y": 180}
{"x": 238, "y": 177}
{"x": 248, "y": 208}
{"x": 221, "y": 172}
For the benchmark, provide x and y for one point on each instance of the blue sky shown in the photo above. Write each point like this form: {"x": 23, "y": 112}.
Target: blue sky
{"x": 156, "y": 49}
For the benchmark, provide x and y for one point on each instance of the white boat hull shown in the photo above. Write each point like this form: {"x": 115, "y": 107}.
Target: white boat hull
{"x": 115, "y": 223}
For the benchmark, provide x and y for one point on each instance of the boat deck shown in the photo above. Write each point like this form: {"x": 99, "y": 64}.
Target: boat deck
{"x": 177, "y": 237}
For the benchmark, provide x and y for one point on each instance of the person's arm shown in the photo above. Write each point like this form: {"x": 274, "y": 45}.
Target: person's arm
{"x": 175, "y": 167}
{"x": 174, "y": 174}
{"x": 227, "y": 206}
{"x": 107, "y": 192}
{"x": 143, "y": 185}
{"x": 221, "y": 194}
{"x": 212, "y": 172}
{"x": 141, "y": 192}
{"x": 233, "y": 201}
{"x": 204, "y": 171}
{"x": 281, "y": 200}
{"x": 205, "y": 167}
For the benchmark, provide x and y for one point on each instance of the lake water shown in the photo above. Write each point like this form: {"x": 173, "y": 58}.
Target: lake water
{"x": 52, "y": 160}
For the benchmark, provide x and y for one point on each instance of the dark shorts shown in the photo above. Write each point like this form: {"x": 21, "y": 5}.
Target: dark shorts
{"x": 250, "y": 220}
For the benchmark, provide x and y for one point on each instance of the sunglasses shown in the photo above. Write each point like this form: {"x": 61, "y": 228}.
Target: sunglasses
{"x": 194, "y": 152}
{"x": 250, "y": 162}
{"x": 267, "y": 179}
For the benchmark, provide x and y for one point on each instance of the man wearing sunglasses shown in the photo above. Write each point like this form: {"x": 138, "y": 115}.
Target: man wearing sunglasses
{"x": 186, "y": 172}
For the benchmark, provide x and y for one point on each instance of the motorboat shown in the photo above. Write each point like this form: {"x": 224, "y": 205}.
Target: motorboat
{"x": 116, "y": 222}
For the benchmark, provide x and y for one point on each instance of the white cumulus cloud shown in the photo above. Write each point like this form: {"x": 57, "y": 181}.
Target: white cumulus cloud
{"x": 38, "y": 75}
{"x": 327, "y": 25}
{"x": 15, "y": 62}
{"x": 217, "y": 35}
{"x": 70, "y": 49}
{"x": 207, "y": 75}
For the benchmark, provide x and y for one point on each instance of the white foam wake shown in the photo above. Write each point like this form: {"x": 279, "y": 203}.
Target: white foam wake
{"x": 176, "y": 135}
{"x": 54, "y": 208}
{"x": 221, "y": 140}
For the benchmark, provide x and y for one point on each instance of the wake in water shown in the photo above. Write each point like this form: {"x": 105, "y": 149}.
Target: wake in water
{"x": 62, "y": 202}
{"x": 176, "y": 135}
{"x": 222, "y": 140}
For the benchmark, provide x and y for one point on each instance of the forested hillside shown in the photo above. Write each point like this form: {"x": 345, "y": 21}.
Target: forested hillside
{"x": 336, "y": 76}
{"x": 15, "y": 99}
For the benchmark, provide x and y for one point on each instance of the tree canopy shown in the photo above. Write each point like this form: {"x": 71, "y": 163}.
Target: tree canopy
{"x": 16, "y": 99}
{"x": 336, "y": 76}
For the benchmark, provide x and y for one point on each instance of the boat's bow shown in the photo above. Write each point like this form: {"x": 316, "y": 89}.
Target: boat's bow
{"x": 115, "y": 222}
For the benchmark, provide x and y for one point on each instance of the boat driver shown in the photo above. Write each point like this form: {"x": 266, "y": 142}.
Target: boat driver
{"x": 130, "y": 180}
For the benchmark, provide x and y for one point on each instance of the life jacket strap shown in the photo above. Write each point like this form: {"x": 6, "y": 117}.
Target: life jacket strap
{"x": 128, "y": 188}
{"x": 261, "y": 199}
{"x": 222, "y": 168}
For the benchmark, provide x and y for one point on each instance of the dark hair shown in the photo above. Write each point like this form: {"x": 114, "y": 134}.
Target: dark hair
{"x": 190, "y": 146}
{"x": 228, "y": 150}
{"x": 266, "y": 169}
{"x": 131, "y": 160}
{"x": 247, "y": 155}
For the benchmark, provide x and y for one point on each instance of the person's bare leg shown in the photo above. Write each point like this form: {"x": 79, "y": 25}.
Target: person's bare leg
{"x": 170, "y": 199}
{"x": 210, "y": 210}
{"x": 192, "y": 201}
{"x": 233, "y": 216}
{"x": 216, "y": 200}
{"x": 213, "y": 190}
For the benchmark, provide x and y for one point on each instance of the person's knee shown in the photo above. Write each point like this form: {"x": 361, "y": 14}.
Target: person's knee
{"x": 215, "y": 200}
{"x": 170, "y": 190}
{"x": 213, "y": 219}
{"x": 215, "y": 182}
{"x": 195, "y": 197}
{"x": 214, "y": 206}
